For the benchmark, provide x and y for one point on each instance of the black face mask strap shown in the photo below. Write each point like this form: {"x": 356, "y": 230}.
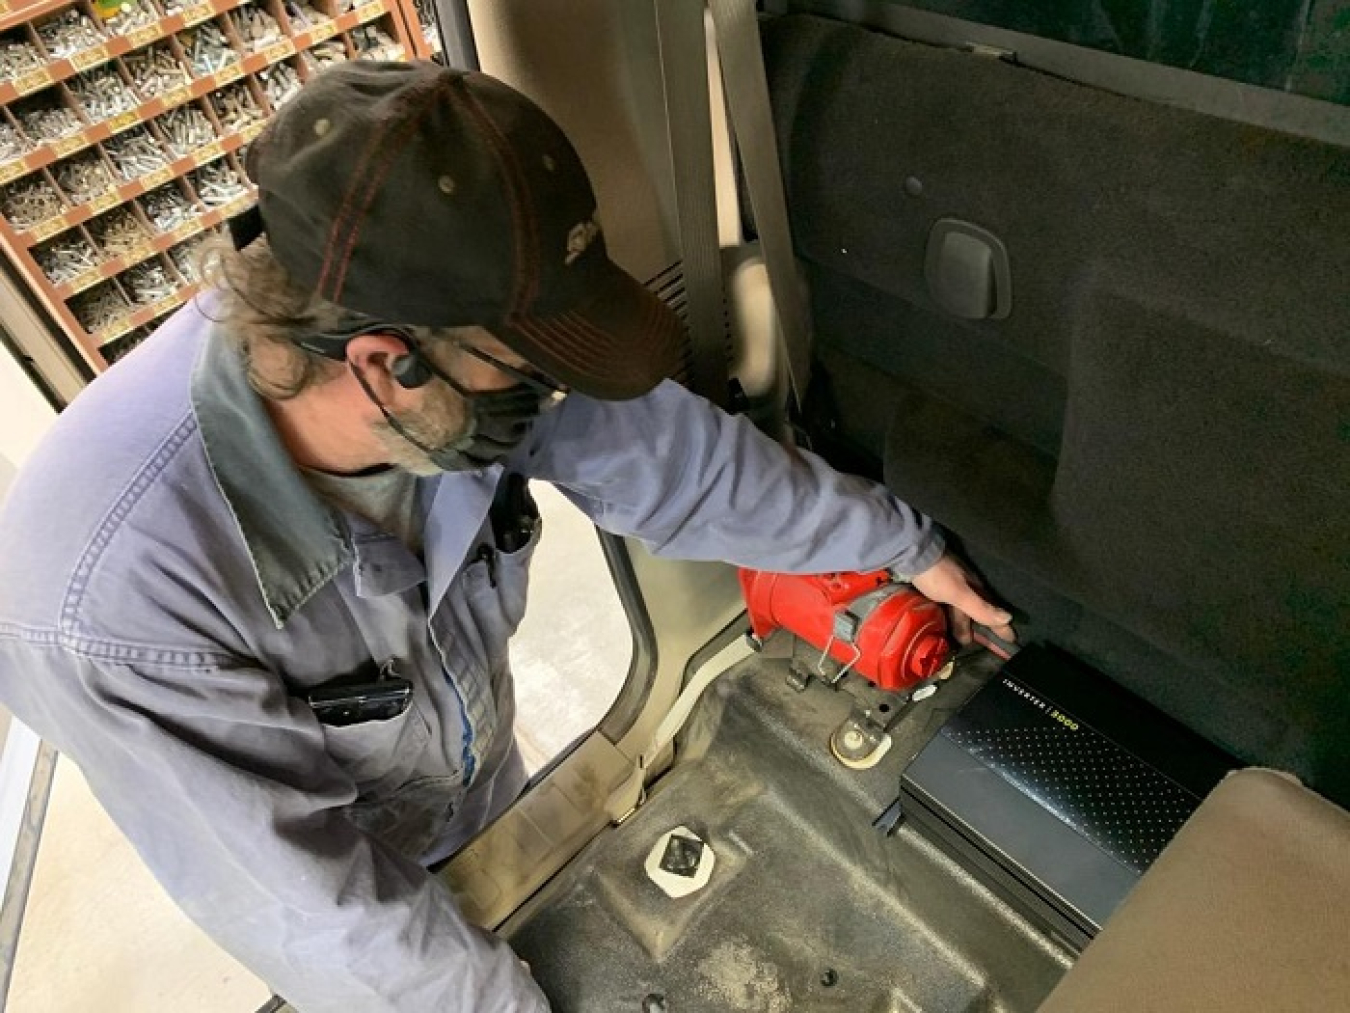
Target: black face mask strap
{"x": 394, "y": 423}
{"x": 447, "y": 458}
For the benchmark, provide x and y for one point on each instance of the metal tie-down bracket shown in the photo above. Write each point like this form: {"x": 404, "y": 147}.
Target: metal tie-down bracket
{"x": 863, "y": 738}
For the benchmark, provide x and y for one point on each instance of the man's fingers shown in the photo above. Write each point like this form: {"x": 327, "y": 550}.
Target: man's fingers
{"x": 971, "y": 609}
{"x": 950, "y": 583}
{"x": 961, "y": 625}
{"x": 981, "y": 611}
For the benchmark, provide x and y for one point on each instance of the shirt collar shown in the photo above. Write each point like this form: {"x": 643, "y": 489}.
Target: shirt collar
{"x": 296, "y": 542}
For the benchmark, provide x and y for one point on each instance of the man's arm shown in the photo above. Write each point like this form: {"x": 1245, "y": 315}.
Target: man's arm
{"x": 222, "y": 783}
{"x": 693, "y": 482}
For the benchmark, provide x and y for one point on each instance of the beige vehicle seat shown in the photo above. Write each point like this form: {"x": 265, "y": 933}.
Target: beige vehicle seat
{"x": 1248, "y": 909}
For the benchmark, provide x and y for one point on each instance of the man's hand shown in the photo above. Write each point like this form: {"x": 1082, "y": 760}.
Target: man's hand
{"x": 951, "y": 584}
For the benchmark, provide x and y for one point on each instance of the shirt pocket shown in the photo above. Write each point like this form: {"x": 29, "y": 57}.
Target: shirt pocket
{"x": 379, "y": 755}
{"x": 411, "y": 818}
{"x": 495, "y": 586}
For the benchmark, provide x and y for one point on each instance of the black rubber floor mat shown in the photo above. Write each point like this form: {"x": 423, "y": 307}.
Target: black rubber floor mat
{"x": 809, "y": 908}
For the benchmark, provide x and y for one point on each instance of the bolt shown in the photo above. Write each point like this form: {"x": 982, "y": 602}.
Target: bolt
{"x": 68, "y": 33}
{"x": 216, "y": 184}
{"x": 102, "y": 94}
{"x": 327, "y": 53}
{"x": 256, "y": 27}
{"x": 305, "y": 15}
{"x": 155, "y": 70}
{"x": 829, "y": 977}
{"x": 135, "y": 153}
{"x": 27, "y": 203}
{"x": 373, "y": 44}
{"x": 149, "y": 282}
{"x": 166, "y": 207}
{"x": 18, "y": 56}
{"x": 280, "y": 82}
{"x": 207, "y": 48}
{"x": 654, "y": 1002}
{"x": 853, "y": 739}
{"x": 184, "y": 257}
{"x": 186, "y": 128}
{"x": 118, "y": 231}
{"x": 426, "y": 15}
{"x": 12, "y": 143}
{"x": 65, "y": 258}
{"x": 235, "y": 107}
{"x": 99, "y": 307}
{"x": 84, "y": 177}
{"x": 44, "y": 120}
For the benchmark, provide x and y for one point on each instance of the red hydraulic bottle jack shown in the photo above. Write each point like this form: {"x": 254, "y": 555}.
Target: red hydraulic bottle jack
{"x": 869, "y": 623}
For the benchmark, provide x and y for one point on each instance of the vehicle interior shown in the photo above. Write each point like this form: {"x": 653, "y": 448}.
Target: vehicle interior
{"x": 1071, "y": 278}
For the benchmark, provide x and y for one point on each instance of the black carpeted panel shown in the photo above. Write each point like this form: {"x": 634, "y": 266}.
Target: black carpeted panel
{"x": 1238, "y": 227}
{"x": 984, "y": 378}
{"x": 1286, "y": 44}
{"x": 803, "y": 883}
{"x": 1155, "y": 447}
{"x": 1202, "y": 489}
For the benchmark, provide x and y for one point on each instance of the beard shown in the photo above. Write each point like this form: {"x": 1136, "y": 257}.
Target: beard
{"x": 442, "y": 419}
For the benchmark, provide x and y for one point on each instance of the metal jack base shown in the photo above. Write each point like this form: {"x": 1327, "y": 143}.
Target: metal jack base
{"x": 860, "y": 742}
{"x": 863, "y": 738}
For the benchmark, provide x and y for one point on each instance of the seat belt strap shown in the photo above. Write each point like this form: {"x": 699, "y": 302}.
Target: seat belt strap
{"x": 747, "y": 93}
{"x": 684, "y": 74}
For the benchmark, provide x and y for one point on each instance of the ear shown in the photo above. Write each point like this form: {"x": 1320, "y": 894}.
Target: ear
{"x": 375, "y": 356}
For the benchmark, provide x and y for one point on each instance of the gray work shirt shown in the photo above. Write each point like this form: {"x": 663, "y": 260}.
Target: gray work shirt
{"x": 170, "y": 587}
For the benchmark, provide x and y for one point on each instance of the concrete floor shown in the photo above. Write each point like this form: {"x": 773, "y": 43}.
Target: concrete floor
{"x": 100, "y": 936}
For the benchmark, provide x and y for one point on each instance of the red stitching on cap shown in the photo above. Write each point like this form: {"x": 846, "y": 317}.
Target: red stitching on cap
{"x": 575, "y": 319}
{"x": 526, "y": 280}
{"x": 571, "y": 330}
{"x": 582, "y": 357}
{"x": 335, "y": 233}
{"x": 580, "y": 343}
{"x": 570, "y": 345}
{"x": 599, "y": 355}
{"x": 377, "y": 177}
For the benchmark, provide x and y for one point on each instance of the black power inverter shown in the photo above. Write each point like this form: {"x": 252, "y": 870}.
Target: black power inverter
{"x": 1058, "y": 788}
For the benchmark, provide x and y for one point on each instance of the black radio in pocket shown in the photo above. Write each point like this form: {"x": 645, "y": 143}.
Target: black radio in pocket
{"x": 353, "y": 703}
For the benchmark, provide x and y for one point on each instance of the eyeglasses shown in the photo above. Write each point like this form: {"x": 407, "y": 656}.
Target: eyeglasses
{"x": 333, "y": 345}
{"x": 528, "y": 375}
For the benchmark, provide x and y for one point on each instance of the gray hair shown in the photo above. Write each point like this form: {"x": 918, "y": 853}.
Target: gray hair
{"x": 262, "y": 305}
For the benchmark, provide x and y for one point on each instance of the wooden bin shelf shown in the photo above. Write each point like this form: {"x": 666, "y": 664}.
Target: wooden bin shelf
{"x": 119, "y": 45}
{"x": 23, "y": 242}
{"x": 110, "y": 199}
{"x": 160, "y": 243}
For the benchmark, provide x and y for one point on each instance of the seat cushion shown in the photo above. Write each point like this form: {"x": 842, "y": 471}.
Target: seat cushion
{"x": 1247, "y": 909}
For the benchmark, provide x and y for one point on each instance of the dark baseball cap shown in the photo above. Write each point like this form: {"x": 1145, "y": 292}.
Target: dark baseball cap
{"x": 419, "y": 195}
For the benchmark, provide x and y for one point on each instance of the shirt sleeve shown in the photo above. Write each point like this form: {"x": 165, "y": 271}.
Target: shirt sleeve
{"x": 691, "y": 481}
{"x": 222, "y": 783}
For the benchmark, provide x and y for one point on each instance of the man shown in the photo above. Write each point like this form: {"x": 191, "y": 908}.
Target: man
{"x": 260, "y": 580}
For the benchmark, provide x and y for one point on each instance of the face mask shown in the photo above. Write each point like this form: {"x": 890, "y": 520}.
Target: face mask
{"x": 499, "y": 421}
